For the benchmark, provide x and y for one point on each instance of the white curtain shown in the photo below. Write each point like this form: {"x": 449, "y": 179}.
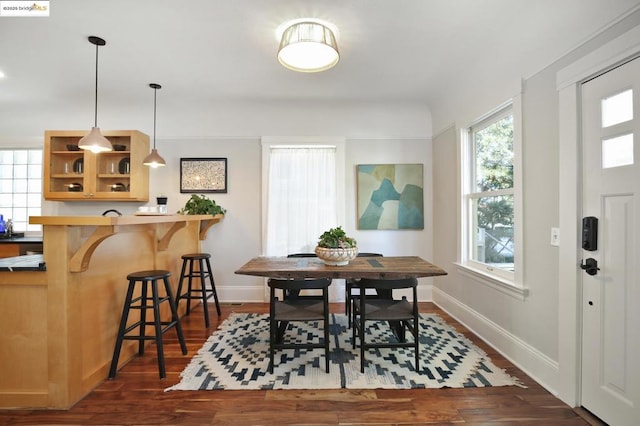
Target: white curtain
{"x": 301, "y": 201}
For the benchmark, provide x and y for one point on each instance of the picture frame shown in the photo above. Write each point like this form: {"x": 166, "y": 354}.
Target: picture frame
{"x": 198, "y": 175}
{"x": 390, "y": 196}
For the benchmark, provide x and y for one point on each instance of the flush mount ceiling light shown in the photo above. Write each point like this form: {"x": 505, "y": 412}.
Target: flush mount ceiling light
{"x": 308, "y": 46}
{"x": 154, "y": 160}
{"x": 94, "y": 141}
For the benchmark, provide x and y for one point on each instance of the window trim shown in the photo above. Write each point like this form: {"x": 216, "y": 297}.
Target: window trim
{"x": 506, "y": 282}
{"x": 267, "y": 142}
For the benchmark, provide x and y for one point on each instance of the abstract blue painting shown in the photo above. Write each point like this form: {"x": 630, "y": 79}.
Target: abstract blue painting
{"x": 390, "y": 196}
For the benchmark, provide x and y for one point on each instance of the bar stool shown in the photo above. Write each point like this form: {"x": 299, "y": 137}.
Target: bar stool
{"x": 203, "y": 271}
{"x": 142, "y": 303}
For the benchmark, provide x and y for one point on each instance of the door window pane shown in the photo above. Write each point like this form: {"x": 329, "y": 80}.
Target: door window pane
{"x": 617, "y": 109}
{"x": 617, "y": 151}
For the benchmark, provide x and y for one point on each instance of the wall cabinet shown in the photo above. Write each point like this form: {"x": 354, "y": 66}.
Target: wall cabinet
{"x": 71, "y": 174}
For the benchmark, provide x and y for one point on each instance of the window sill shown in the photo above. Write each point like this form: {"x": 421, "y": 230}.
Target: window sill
{"x": 503, "y": 286}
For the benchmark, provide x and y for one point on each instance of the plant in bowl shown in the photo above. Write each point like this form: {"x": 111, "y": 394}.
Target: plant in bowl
{"x": 336, "y": 248}
{"x": 201, "y": 204}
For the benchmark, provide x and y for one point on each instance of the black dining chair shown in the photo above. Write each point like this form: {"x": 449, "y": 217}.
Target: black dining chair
{"x": 299, "y": 255}
{"x": 296, "y": 308}
{"x": 401, "y": 314}
{"x": 351, "y": 289}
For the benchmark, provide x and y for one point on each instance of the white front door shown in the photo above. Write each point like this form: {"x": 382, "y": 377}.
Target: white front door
{"x": 611, "y": 294}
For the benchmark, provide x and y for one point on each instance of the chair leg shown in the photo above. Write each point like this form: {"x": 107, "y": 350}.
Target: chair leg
{"x": 361, "y": 331}
{"x": 144, "y": 301}
{"x": 203, "y": 289}
{"x": 179, "y": 294}
{"x": 121, "y": 331}
{"x": 189, "y": 286}
{"x": 353, "y": 328}
{"x": 273, "y": 325}
{"x": 174, "y": 316}
{"x": 326, "y": 328}
{"x": 347, "y": 303}
{"x": 213, "y": 286}
{"x": 158, "y": 327}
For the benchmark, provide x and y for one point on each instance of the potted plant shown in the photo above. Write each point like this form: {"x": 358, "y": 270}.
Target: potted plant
{"x": 201, "y": 204}
{"x": 336, "y": 248}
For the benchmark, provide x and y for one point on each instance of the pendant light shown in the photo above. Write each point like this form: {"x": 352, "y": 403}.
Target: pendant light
{"x": 94, "y": 141}
{"x": 154, "y": 160}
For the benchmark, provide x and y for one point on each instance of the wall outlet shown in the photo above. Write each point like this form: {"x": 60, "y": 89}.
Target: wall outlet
{"x": 555, "y": 237}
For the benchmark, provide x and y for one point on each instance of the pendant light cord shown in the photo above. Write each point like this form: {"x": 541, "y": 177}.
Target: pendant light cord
{"x": 155, "y": 94}
{"x": 95, "y": 109}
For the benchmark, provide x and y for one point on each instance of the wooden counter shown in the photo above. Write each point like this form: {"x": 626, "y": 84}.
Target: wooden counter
{"x": 60, "y": 325}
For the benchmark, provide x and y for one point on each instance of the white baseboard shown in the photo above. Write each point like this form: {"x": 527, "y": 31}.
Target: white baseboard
{"x": 241, "y": 294}
{"x": 534, "y": 363}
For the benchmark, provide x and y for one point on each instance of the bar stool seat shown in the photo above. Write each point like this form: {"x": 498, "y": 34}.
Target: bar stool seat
{"x": 201, "y": 292}
{"x": 143, "y": 302}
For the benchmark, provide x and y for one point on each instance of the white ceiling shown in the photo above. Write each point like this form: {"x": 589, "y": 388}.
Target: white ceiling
{"x": 225, "y": 50}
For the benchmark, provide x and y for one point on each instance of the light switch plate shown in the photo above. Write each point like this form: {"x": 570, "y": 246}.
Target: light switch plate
{"x": 555, "y": 237}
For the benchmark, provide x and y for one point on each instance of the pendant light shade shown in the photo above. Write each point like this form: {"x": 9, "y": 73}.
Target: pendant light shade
{"x": 94, "y": 141}
{"x": 154, "y": 159}
{"x": 308, "y": 46}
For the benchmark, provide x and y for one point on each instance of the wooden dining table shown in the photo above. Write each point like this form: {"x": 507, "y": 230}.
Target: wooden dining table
{"x": 387, "y": 267}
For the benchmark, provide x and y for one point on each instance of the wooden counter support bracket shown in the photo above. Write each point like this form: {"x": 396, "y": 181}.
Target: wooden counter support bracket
{"x": 163, "y": 243}
{"x": 79, "y": 262}
{"x": 205, "y": 224}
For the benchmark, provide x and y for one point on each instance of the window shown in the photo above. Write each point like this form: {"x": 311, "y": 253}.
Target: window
{"x": 490, "y": 212}
{"x": 301, "y": 196}
{"x": 21, "y": 187}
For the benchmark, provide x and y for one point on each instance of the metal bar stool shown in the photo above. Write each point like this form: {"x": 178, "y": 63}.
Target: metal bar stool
{"x": 202, "y": 292}
{"x": 143, "y": 302}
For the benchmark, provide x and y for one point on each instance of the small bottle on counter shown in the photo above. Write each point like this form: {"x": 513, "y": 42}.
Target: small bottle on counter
{"x": 8, "y": 229}
{"x": 2, "y": 224}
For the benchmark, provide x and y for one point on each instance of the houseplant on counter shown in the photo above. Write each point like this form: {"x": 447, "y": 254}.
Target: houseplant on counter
{"x": 335, "y": 248}
{"x": 201, "y": 204}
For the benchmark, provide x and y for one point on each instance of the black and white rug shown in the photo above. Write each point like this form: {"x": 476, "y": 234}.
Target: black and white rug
{"x": 236, "y": 357}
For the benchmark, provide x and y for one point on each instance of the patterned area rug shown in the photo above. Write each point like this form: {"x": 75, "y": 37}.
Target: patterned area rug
{"x": 236, "y": 357}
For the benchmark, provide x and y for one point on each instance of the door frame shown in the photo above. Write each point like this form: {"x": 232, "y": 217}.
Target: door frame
{"x": 568, "y": 84}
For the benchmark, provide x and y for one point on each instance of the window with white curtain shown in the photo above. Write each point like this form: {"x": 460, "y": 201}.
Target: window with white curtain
{"x": 301, "y": 197}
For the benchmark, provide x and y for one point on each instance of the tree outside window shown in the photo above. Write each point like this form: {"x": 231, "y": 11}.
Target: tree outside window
{"x": 491, "y": 201}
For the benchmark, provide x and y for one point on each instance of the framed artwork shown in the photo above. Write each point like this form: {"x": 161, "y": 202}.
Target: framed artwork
{"x": 390, "y": 196}
{"x": 203, "y": 175}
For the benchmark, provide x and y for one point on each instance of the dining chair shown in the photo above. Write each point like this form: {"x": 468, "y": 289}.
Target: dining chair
{"x": 401, "y": 314}
{"x": 300, "y": 255}
{"x": 351, "y": 289}
{"x": 296, "y": 308}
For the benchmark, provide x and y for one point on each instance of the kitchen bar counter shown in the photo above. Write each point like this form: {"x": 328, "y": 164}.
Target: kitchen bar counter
{"x": 60, "y": 324}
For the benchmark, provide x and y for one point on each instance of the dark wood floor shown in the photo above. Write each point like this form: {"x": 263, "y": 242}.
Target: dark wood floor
{"x": 136, "y": 396}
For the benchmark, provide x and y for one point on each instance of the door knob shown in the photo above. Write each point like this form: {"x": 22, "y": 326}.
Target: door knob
{"x": 590, "y": 266}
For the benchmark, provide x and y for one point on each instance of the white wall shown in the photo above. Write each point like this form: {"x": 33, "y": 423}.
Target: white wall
{"x": 526, "y": 331}
{"x": 375, "y": 133}
{"x": 398, "y": 242}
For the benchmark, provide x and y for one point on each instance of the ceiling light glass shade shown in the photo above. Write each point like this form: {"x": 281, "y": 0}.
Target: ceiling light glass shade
{"x": 154, "y": 160}
{"x": 308, "y": 47}
{"x": 95, "y": 142}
